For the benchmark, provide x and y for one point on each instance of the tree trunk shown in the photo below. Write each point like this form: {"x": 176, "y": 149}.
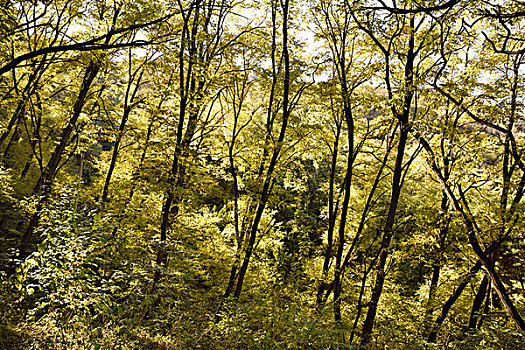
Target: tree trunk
{"x": 451, "y": 300}
{"x": 477, "y": 303}
{"x": 436, "y": 265}
{"x": 486, "y": 307}
{"x": 385, "y": 244}
{"x": 29, "y": 89}
{"x": 403, "y": 118}
{"x": 47, "y": 176}
{"x": 190, "y": 90}
{"x": 344, "y": 209}
{"x": 265, "y": 192}
{"x": 359, "y": 308}
{"x": 332, "y": 213}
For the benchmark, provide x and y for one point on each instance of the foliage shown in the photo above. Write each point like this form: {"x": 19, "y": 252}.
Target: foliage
{"x": 221, "y": 174}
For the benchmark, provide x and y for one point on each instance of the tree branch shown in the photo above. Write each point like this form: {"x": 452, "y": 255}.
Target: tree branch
{"x": 88, "y": 45}
{"x": 418, "y": 9}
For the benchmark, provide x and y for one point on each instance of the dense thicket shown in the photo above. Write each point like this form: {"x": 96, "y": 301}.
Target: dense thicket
{"x": 279, "y": 174}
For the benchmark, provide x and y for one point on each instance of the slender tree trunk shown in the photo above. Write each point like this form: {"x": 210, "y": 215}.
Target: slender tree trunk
{"x": 368, "y": 325}
{"x": 265, "y": 193}
{"x": 32, "y": 143}
{"x": 486, "y": 307}
{"x": 359, "y": 307}
{"x": 129, "y": 101}
{"x": 450, "y": 302}
{"x": 114, "y": 154}
{"x": 385, "y": 244}
{"x": 436, "y": 264}
{"x": 47, "y": 176}
{"x": 349, "y": 119}
{"x": 364, "y": 216}
{"x": 13, "y": 122}
{"x": 140, "y": 167}
{"x": 15, "y": 138}
{"x": 239, "y": 231}
{"x": 189, "y": 90}
{"x": 332, "y": 212}
{"x": 29, "y": 89}
{"x": 477, "y": 303}
{"x": 436, "y": 268}
{"x": 396, "y": 190}
{"x": 27, "y": 166}
{"x": 344, "y": 209}
{"x": 34, "y": 137}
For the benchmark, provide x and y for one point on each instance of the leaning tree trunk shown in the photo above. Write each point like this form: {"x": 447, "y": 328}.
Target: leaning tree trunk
{"x": 403, "y": 118}
{"x": 42, "y": 186}
{"x": 265, "y": 192}
{"x": 128, "y": 105}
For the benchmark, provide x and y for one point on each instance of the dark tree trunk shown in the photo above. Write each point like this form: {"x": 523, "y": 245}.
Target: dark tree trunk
{"x": 129, "y": 102}
{"x": 450, "y": 302}
{"x": 114, "y": 154}
{"x": 403, "y": 118}
{"x": 29, "y": 89}
{"x": 385, "y": 244}
{"x": 47, "y": 176}
{"x": 485, "y": 307}
{"x": 344, "y": 209}
{"x": 436, "y": 265}
{"x": 190, "y": 90}
{"x": 477, "y": 303}
{"x": 359, "y": 308}
{"x": 265, "y": 192}
{"x": 332, "y": 212}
